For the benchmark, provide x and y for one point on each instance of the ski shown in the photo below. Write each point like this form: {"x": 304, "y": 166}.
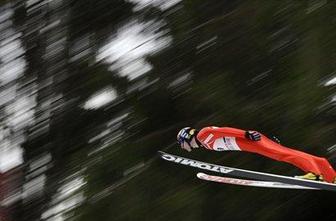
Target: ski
{"x": 254, "y": 183}
{"x": 249, "y": 174}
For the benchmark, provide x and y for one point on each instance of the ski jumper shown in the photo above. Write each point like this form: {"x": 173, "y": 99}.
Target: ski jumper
{"x": 226, "y": 139}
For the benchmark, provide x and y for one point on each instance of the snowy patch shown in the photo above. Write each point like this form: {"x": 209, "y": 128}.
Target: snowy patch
{"x": 10, "y": 157}
{"x": 58, "y": 211}
{"x": 71, "y": 187}
{"x": 333, "y": 99}
{"x": 22, "y": 110}
{"x": 66, "y": 199}
{"x": 13, "y": 65}
{"x": 127, "y": 50}
{"x": 17, "y": 106}
{"x": 100, "y": 99}
{"x": 330, "y": 82}
{"x": 39, "y": 162}
{"x": 5, "y": 15}
{"x": 161, "y": 4}
{"x": 34, "y": 186}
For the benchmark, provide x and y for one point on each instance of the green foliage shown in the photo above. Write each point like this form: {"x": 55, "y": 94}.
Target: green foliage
{"x": 249, "y": 64}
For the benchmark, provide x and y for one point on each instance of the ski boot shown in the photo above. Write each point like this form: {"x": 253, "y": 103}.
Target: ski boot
{"x": 311, "y": 176}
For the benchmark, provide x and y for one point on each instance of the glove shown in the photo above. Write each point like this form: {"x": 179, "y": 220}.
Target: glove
{"x": 253, "y": 135}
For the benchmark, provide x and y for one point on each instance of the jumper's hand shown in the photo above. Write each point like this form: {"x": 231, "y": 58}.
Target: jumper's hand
{"x": 252, "y": 135}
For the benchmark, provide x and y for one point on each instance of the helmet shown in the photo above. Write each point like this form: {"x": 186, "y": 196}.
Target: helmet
{"x": 185, "y": 136}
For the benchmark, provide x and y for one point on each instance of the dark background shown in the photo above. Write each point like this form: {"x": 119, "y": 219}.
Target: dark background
{"x": 261, "y": 65}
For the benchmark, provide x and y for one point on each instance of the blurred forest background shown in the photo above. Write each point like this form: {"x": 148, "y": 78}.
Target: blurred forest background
{"x": 92, "y": 89}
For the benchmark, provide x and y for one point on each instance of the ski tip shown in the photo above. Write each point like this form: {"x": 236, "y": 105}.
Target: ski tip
{"x": 200, "y": 175}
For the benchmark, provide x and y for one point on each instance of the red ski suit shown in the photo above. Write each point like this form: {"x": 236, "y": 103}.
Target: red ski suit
{"x": 226, "y": 138}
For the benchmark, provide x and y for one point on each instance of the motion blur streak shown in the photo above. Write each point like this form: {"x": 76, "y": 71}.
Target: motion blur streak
{"x": 90, "y": 90}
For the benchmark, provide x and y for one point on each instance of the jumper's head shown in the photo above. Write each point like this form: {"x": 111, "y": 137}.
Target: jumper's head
{"x": 186, "y": 138}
